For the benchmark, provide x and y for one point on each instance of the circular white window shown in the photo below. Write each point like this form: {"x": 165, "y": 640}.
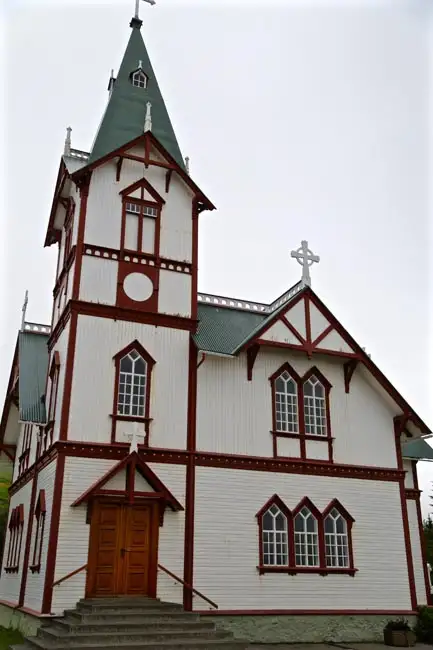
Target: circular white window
{"x": 138, "y": 287}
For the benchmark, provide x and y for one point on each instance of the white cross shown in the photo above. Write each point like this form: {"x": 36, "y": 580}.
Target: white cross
{"x": 137, "y": 4}
{"x": 133, "y": 438}
{"x": 306, "y": 258}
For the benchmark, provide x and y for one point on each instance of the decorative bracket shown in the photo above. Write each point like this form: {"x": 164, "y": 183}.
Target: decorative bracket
{"x": 252, "y": 353}
{"x": 400, "y": 422}
{"x": 119, "y": 168}
{"x": 349, "y": 368}
{"x": 168, "y": 175}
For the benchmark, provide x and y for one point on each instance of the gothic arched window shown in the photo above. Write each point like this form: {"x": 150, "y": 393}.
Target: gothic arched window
{"x": 131, "y": 398}
{"x": 306, "y": 527}
{"x": 285, "y": 395}
{"x": 315, "y": 407}
{"x": 337, "y": 524}
{"x": 274, "y": 534}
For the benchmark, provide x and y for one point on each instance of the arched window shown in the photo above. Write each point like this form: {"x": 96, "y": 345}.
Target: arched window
{"x": 139, "y": 79}
{"x": 337, "y": 523}
{"x": 286, "y": 403}
{"x": 131, "y": 398}
{"x": 314, "y": 407}
{"x": 273, "y": 531}
{"x": 306, "y": 538}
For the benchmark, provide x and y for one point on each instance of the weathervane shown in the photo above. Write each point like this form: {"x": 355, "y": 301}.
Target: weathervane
{"x": 306, "y": 258}
{"x": 137, "y": 5}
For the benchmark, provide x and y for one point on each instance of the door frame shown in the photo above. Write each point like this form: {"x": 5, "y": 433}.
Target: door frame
{"x": 155, "y": 510}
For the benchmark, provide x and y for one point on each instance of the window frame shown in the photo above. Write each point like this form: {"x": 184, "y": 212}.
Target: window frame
{"x": 69, "y": 227}
{"x": 301, "y": 435}
{"x": 142, "y": 204}
{"x": 274, "y": 501}
{"x": 23, "y": 461}
{"x": 115, "y": 416}
{"x": 141, "y": 73}
{"x": 40, "y": 514}
{"x": 15, "y": 527}
{"x": 53, "y": 375}
{"x": 292, "y": 568}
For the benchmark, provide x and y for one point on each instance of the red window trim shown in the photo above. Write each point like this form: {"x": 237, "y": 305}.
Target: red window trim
{"x": 54, "y": 377}
{"x": 115, "y": 417}
{"x": 16, "y": 526}
{"x": 40, "y": 512}
{"x": 291, "y": 568}
{"x": 23, "y": 461}
{"x": 140, "y": 216}
{"x": 302, "y": 436}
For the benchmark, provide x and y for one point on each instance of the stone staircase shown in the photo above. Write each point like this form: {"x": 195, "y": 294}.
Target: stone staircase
{"x": 129, "y": 624}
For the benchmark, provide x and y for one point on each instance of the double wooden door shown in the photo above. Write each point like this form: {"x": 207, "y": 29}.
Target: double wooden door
{"x": 123, "y": 550}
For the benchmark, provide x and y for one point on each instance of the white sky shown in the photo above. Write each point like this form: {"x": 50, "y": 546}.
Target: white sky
{"x": 302, "y": 120}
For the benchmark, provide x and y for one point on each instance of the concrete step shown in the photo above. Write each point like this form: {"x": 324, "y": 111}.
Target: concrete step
{"x": 51, "y": 638}
{"x": 121, "y": 605}
{"x": 148, "y": 623}
{"x": 177, "y": 643}
{"x": 125, "y": 618}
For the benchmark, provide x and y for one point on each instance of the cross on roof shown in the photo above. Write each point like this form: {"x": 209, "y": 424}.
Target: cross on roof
{"x": 137, "y": 5}
{"x": 306, "y": 258}
{"x": 134, "y": 437}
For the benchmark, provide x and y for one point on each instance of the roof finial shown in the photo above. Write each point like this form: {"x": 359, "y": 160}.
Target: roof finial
{"x": 24, "y": 309}
{"x": 187, "y": 164}
{"x": 148, "y": 118}
{"x": 67, "y": 150}
{"x": 306, "y": 258}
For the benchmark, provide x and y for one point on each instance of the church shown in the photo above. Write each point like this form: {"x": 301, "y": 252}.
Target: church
{"x": 248, "y": 462}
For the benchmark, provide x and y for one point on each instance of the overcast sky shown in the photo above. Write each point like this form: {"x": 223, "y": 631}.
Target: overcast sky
{"x": 302, "y": 120}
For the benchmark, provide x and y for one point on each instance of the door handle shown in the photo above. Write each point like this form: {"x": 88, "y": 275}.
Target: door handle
{"x": 125, "y": 550}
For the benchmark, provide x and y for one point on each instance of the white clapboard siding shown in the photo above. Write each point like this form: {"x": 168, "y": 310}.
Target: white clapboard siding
{"x": 174, "y": 296}
{"x": 98, "y": 279}
{"x": 36, "y": 581}
{"x": 62, "y": 347}
{"x": 10, "y": 583}
{"x": 176, "y": 222}
{"x": 408, "y": 478}
{"x": 226, "y": 545}
{"x": 361, "y": 421}
{"x": 98, "y": 341}
{"x": 73, "y": 544}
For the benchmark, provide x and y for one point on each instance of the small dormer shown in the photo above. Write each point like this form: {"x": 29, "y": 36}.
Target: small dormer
{"x": 138, "y": 77}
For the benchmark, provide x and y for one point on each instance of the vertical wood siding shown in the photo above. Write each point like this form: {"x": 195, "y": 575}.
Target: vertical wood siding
{"x": 104, "y": 208}
{"x": 174, "y": 293}
{"x": 98, "y": 340}
{"x": 10, "y": 583}
{"x": 98, "y": 280}
{"x": 361, "y": 421}
{"x": 36, "y": 581}
{"x": 226, "y": 546}
{"x": 408, "y": 477}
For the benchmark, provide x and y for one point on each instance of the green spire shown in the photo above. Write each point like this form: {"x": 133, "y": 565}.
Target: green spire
{"x": 125, "y": 114}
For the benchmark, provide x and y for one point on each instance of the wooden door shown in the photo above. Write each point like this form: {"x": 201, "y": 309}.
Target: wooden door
{"x": 123, "y": 550}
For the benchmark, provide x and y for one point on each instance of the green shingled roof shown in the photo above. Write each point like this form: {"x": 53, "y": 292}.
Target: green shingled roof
{"x": 417, "y": 449}
{"x": 33, "y": 366}
{"x": 222, "y": 330}
{"x": 126, "y": 110}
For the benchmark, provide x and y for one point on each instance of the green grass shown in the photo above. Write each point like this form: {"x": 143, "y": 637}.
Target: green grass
{"x": 9, "y": 637}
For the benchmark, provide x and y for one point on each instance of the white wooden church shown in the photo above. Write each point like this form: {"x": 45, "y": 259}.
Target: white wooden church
{"x": 248, "y": 461}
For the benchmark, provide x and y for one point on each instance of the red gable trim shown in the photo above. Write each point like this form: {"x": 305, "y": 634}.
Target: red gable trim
{"x": 135, "y": 463}
{"x": 142, "y": 183}
{"x": 147, "y": 139}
